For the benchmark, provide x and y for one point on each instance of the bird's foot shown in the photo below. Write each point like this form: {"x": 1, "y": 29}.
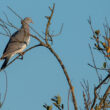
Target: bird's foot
{"x": 21, "y": 54}
{"x": 21, "y": 58}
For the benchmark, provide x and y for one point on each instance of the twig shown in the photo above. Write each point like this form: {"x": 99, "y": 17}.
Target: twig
{"x": 89, "y": 21}
{"x": 32, "y": 48}
{"x": 14, "y": 12}
{"x": 4, "y": 34}
{"x": 58, "y": 32}
{"x": 68, "y": 97}
{"x": 5, "y": 90}
{"x": 48, "y": 23}
{"x": 85, "y": 102}
{"x": 4, "y": 26}
{"x": 98, "y": 68}
{"x": 9, "y": 23}
{"x": 95, "y": 90}
{"x": 104, "y": 97}
{"x": 85, "y": 86}
{"x": 94, "y": 63}
{"x": 41, "y": 42}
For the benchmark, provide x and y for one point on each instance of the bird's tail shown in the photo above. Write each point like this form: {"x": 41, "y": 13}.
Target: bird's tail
{"x": 5, "y": 63}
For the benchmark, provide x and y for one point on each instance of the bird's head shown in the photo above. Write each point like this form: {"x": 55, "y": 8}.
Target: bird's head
{"x": 27, "y": 20}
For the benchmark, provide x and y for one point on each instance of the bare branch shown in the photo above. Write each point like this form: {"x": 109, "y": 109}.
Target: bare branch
{"x": 4, "y": 27}
{"x": 94, "y": 63}
{"x": 104, "y": 97}
{"x": 55, "y": 35}
{"x": 68, "y": 97}
{"x": 5, "y": 90}
{"x": 98, "y": 68}
{"x": 14, "y": 13}
{"x": 86, "y": 94}
{"x": 66, "y": 74}
{"x": 4, "y": 34}
{"x": 41, "y": 42}
{"x": 85, "y": 102}
{"x": 96, "y": 88}
{"x": 48, "y": 24}
{"x": 9, "y": 23}
{"x": 90, "y": 23}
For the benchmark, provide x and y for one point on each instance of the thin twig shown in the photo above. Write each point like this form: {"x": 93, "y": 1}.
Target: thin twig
{"x": 68, "y": 97}
{"x": 14, "y": 12}
{"x": 90, "y": 23}
{"x": 105, "y": 95}
{"x": 6, "y": 89}
{"x": 5, "y": 28}
{"x": 48, "y": 24}
{"x": 85, "y": 102}
{"x": 4, "y": 34}
{"x": 96, "y": 88}
{"x": 85, "y": 86}
{"x": 94, "y": 62}
{"x": 40, "y": 41}
{"x": 98, "y": 68}
{"x": 9, "y": 23}
{"x": 55, "y": 35}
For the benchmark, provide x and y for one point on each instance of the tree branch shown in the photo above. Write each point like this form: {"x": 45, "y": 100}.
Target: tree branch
{"x": 105, "y": 95}
{"x": 96, "y": 88}
{"x": 94, "y": 62}
{"x": 67, "y": 77}
{"x": 48, "y": 23}
{"x": 1, "y": 104}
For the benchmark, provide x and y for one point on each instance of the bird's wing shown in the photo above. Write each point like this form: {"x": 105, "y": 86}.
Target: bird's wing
{"x": 9, "y": 41}
{"x": 15, "y": 43}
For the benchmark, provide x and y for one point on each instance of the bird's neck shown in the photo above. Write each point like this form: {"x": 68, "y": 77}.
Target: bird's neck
{"x": 26, "y": 28}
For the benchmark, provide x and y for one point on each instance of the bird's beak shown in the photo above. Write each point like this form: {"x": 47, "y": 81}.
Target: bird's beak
{"x": 32, "y": 22}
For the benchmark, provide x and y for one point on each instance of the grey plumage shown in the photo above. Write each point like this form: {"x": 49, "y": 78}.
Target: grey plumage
{"x": 18, "y": 42}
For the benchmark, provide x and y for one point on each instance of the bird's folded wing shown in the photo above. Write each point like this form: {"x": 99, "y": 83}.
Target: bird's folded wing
{"x": 15, "y": 43}
{"x": 13, "y": 48}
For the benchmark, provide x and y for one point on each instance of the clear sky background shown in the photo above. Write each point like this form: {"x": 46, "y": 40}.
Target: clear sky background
{"x": 39, "y": 77}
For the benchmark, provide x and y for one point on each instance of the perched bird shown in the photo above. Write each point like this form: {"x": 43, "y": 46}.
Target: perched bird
{"x": 18, "y": 42}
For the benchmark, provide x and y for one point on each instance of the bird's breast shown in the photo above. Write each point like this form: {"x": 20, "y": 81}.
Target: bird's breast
{"x": 28, "y": 40}
{"x": 21, "y": 49}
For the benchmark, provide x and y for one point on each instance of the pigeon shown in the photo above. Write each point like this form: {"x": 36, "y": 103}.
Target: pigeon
{"x": 17, "y": 42}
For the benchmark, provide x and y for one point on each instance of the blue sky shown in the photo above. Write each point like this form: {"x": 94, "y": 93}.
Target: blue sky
{"x": 33, "y": 81}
